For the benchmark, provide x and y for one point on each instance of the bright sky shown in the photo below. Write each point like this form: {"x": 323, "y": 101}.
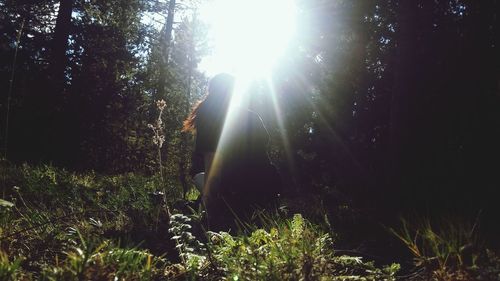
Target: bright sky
{"x": 247, "y": 36}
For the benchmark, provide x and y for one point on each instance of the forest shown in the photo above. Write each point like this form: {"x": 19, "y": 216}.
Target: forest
{"x": 383, "y": 118}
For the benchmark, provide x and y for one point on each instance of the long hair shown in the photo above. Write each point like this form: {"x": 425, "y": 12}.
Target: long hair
{"x": 216, "y": 101}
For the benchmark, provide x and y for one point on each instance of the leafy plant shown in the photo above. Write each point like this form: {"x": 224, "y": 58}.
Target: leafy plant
{"x": 289, "y": 250}
{"x": 191, "y": 250}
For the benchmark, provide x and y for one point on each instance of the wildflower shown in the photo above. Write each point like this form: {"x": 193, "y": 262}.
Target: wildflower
{"x": 159, "y": 140}
{"x": 157, "y": 127}
{"x": 161, "y": 104}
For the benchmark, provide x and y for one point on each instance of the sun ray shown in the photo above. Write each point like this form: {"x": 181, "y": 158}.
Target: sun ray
{"x": 281, "y": 124}
{"x": 237, "y": 102}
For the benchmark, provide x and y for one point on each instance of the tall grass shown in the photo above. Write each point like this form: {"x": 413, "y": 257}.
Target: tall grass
{"x": 8, "y": 269}
{"x": 444, "y": 242}
{"x": 448, "y": 248}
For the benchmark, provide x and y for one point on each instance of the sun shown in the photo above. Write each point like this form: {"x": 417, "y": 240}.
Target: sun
{"x": 247, "y": 37}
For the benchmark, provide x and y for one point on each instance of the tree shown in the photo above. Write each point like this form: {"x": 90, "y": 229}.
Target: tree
{"x": 60, "y": 43}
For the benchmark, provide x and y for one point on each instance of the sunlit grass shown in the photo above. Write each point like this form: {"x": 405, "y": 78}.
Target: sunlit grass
{"x": 66, "y": 226}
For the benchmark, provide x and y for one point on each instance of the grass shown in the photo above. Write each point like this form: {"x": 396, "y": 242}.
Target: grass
{"x": 41, "y": 204}
{"x": 448, "y": 248}
{"x": 8, "y": 269}
{"x": 59, "y": 225}
{"x": 103, "y": 261}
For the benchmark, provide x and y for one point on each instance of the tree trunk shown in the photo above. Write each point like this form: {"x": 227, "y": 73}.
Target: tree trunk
{"x": 167, "y": 29}
{"x": 60, "y": 43}
{"x": 404, "y": 93}
{"x": 169, "y": 23}
{"x": 52, "y": 143}
{"x": 187, "y": 106}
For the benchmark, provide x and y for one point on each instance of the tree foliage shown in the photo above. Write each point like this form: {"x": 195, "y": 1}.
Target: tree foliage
{"x": 390, "y": 101}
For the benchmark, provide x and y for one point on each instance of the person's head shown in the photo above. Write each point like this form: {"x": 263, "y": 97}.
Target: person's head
{"x": 220, "y": 89}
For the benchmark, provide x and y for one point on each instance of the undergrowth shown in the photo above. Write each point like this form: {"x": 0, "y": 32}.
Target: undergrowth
{"x": 58, "y": 225}
{"x": 102, "y": 260}
{"x": 283, "y": 249}
{"x": 448, "y": 249}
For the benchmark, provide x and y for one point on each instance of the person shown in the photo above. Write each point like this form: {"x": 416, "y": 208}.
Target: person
{"x": 232, "y": 152}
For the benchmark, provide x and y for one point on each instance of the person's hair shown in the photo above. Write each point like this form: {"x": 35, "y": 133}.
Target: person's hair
{"x": 217, "y": 99}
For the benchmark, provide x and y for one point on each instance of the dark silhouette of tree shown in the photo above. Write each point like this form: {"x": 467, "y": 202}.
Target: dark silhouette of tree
{"x": 60, "y": 42}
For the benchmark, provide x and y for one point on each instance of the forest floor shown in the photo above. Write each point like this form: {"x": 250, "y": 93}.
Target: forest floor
{"x": 59, "y": 225}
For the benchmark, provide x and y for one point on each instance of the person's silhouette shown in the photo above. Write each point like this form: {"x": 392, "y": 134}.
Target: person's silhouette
{"x": 238, "y": 172}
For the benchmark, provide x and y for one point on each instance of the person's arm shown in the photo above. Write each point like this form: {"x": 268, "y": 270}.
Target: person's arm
{"x": 206, "y": 145}
{"x": 208, "y": 159}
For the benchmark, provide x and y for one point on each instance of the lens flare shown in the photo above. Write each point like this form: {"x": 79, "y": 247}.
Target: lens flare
{"x": 247, "y": 36}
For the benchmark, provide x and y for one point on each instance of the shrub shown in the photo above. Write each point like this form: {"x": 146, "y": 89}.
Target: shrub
{"x": 281, "y": 250}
